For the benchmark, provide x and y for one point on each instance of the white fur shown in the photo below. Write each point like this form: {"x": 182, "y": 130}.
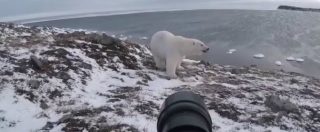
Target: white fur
{"x": 168, "y": 50}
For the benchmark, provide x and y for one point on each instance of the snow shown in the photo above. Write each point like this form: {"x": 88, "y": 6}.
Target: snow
{"x": 258, "y": 56}
{"x": 231, "y": 51}
{"x": 24, "y": 34}
{"x": 278, "y": 63}
{"x": 22, "y": 113}
{"x": 144, "y": 38}
{"x": 102, "y": 84}
{"x": 190, "y": 61}
{"x": 290, "y": 58}
{"x": 124, "y": 38}
{"x": 227, "y": 125}
{"x": 299, "y": 60}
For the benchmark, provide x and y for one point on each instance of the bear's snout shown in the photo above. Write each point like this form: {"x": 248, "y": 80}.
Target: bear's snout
{"x": 206, "y": 50}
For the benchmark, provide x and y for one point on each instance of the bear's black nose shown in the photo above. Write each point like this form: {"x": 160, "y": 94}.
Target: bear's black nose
{"x": 206, "y": 50}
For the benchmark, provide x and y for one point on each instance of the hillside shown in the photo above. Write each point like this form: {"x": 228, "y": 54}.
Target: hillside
{"x": 68, "y": 80}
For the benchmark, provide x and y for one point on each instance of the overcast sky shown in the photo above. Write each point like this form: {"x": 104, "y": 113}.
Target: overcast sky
{"x": 24, "y": 9}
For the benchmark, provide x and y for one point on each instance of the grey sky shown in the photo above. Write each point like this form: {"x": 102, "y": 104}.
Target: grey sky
{"x": 26, "y": 9}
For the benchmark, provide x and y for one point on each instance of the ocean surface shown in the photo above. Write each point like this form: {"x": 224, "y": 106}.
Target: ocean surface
{"x": 275, "y": 34}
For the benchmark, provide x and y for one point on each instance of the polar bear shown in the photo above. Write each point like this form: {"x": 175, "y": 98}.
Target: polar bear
{"x": 168, "y": 50}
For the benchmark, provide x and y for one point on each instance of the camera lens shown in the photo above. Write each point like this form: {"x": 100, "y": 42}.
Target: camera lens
{"x": 184, "y": 112}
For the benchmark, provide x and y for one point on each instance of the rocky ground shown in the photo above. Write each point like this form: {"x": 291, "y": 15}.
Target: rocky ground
{"x": 67, "y": 80}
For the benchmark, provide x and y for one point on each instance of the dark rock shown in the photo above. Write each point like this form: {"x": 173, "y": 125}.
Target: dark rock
{"x": 22, "y": 65}
{"x": 9, "y": 73}
{"x": 114, "y": 100}
{"x": 85, "y": 66}
{"x": 75, "y": 125}
{"x": 36, "y": 63}
{"x": 106, "y": 39}
{"x": 148, "y": 108}
{"x": 254, "y": 102}
{"x": 64, "y": 76}
{"x": 34, "y": 84}
{"x": 55, "y": 93}
{"x": 28, "y": 94}
{"x": 225, "y": 110}
{"x": 144, "y": 76}
{"x": 61, "y": 53}
{"x": 239, "y": 71}
{"x": 43, "y": 105}
{"x": 240, "y": 95}
{"x": 268, "y": 119}
{"x": 294, "y": 81}
{"x": 310, "y": 93}
{"x": 122, "y": 90}
{"x": 142, "y": 83}
{"x": 48, "y": 126}
{"x": 11, "y": 25}
{"x": 277, "y": 104}
{"x": 114, "y": 128}
{"x": 120, "y": 112}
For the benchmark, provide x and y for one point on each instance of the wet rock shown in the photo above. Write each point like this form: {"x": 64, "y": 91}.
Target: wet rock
{"x": 277, "y": 104}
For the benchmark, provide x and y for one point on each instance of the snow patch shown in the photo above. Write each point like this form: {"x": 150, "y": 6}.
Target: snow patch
{"x": 290, "y": 58}
{"x": 231, "y": 51}
{"x": 258, "y": 56}
{"x": 278, "y": 63}
{"x": 300, "y": 60}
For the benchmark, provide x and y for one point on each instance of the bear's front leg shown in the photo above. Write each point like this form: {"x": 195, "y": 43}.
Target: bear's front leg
{"x": 171, "y": 65}
{"x": 179, "y": 62}
{"x": 160, "y": 63}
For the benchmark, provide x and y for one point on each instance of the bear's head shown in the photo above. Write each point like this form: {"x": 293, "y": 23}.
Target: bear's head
{"x": 197, "y": 47}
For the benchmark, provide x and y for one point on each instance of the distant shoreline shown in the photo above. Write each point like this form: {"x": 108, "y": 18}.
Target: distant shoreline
{"x": 294, "y": 8}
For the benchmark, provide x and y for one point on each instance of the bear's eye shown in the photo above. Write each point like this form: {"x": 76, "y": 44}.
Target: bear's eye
{"x": 194, "y": 43}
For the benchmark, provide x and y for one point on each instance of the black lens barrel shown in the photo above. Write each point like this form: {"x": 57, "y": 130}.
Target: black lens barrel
{"x": 184, "y": 112}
